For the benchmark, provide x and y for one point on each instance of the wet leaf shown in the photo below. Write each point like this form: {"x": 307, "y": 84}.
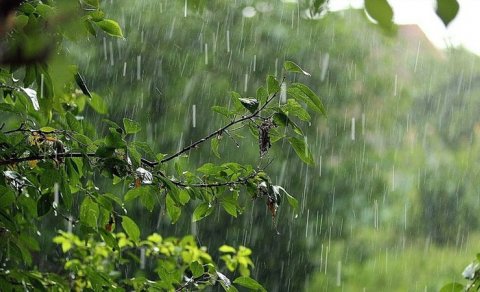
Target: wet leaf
{"x": 380, "y": 11}
{"x": 453, "y": 287}
{"x": 173, "y": 211}
{"x": 196, "y": 268}
{"x": 250, "y": 104}
{"x": 111, "y": 27}
{"x": 447, "y": 10}
{"x": 202, "y": 211}
{"x": 44, "y": 204}
{"x": 249, "y": 283}
{"x": 89, "y": 213}
{"x": 292, "y": 67}
{"x": 130, "y": 228}
{"x": 301, "y": 148}
{"x": 131, "y": 127}
{"x": 227, "y": 249}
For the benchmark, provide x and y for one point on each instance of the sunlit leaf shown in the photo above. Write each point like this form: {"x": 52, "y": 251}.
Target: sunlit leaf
{"x": 227, "y": 249}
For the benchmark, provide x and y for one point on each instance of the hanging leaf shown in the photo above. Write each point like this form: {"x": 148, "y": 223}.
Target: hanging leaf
{"x": 250, "y": 104}
{"x": 292, "y": 67}
{"x": 131, "y": 127}
{"x": 304, "y": 93}
{"x": 81, "y": 83}
{"x": 111, "y": 27}
{"x": 447, "y": 10}
{"x": 130, "y": 228}
{"x": 202, "y": 211}
{"x": 381, "y": 12}
{"x": 249, "y": 283}
{"x": 44, "y": 204}
{"x": 89, "y": 213}
{"x": 173, "y": 211}
{"x": 301, "y": 148}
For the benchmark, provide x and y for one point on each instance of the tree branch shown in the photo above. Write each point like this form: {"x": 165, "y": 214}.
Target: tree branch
{"x": 239, "y": 181}
{"x": 219, "y": 131}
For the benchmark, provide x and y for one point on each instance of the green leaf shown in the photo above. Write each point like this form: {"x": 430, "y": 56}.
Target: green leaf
{"x": 98, "y": 104}
{"x": 148, "y": 200}
{"x": 292, "y": 107}
{"x": 301, "y": 148}
{"x": 130, "y": 228}
{"x": 251, "y": 104}
{"x": 134, "y": 193}
{"x": 291, "y": 200}
{"x": 202, "y": 211}
{"x": 73, "y": 123}
{"x": 221, "y": 110}
{"x": 47, "y": 129}
{"x": 214, "y": 145}
{"x": 44, "y": 204}
{"x": 114, "y": 139}
{"x": 262, "y": 95}
{"x": 109, "y": 239}
{"x": 292, "y": 67}
{"x": 93, "y": 3}
{"x": 453, "y": 287}
{"x": 304, "y": 93}
{"x": 131, "y": 127}
{"x": 229, "y": 207}
{"x": 381, "y": 12}
{"x": 282, "y": 119}
{"x": 89, "y": 213}
{"x": 227, "y": 249}
{"x": 111, "y": 27}
{"x": 447, "y": 10}
{"x": 196, "y": 268}
{"x": 272, "y": 85}
{"x": 249, "y": 283}
{"x": 173, "y": 211}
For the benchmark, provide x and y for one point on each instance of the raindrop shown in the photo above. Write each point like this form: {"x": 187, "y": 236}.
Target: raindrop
{"x": 325, "y": 62}
{"x": 124, "y": 69}
{"x": 69, "y": 224}
{"x": 142, "y": 258}
{"x": 206, "y": 54}
{"x": 194, "y": 115}
{"x": 339, "y": 273}
{"x": 56, "y": 192}
{"x": 41, "y": 84}
{"x": 228, "y": 41}
{"x": 395, "y": 85}
{"x": 110, "y": 47}
{"x": 105, "y": 49}
{"x": 139, "y": 62}
{"x": 353, "y": 130}
{"x": 246, "y": 83}
{"x": 185, "y": 9}
{"x": 283, "y": 92}
{"x": 416, "y": 58}
{"x": 254, "y": 62}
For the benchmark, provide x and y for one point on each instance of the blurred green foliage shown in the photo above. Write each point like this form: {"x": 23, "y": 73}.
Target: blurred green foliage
{"x": 389, "y": 177}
